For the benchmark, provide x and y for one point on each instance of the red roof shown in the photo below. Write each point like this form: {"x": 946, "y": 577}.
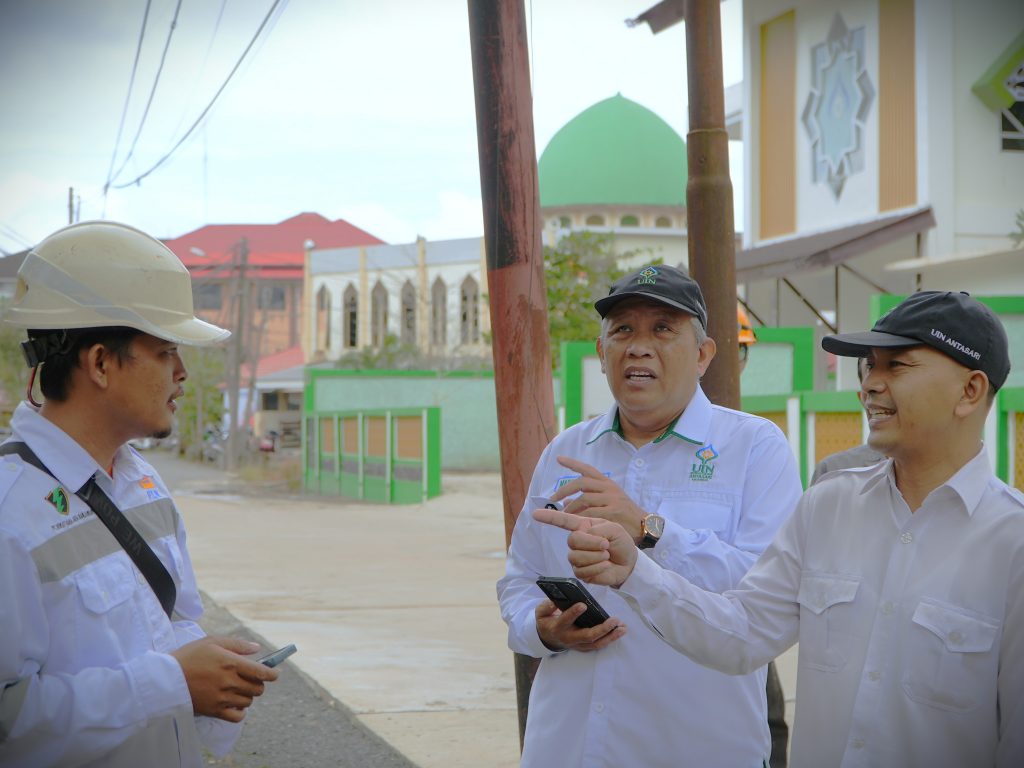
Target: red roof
{"x": 275, "y": 250}
{"x": 279, "y": 361}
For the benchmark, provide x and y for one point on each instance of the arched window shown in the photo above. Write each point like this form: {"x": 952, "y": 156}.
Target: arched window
{"x": 378, "y": 315}
{"x": 350, "y": 317}
{"x": 663, "y": 221}
{"x": 408, "y": 329}
{"x": 629, "y": 220}
{"x": 438, "y": 313}
{"x": 323, "y": 318}
{"x": 564, "y": 221}
{"x": 469, "y": 315}
{"x": 595, "y": 221}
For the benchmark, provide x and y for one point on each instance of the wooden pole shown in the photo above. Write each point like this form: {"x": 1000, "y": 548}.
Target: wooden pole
{"x": 515, "y": 266}
{"x": 712, "y": 247}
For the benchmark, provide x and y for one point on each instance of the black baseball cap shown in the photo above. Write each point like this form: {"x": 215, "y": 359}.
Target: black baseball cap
{"x": 953, "y": 323}
{"x": 661, "y": 283}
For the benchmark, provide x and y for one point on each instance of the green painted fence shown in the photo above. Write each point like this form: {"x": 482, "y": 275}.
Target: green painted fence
{"x": 389, "y": 455}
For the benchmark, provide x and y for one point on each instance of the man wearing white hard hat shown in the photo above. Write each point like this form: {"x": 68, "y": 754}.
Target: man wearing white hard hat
{"x": 101, "y": 659}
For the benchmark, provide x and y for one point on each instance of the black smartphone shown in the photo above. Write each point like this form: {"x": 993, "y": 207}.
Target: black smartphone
{"x": 566, "y": 592}
{"x": 275, "y": 658}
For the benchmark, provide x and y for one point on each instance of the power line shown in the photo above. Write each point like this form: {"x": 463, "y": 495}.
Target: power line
{"x": 152, "y": 91}
{"x": 202, "y": 67}
{"x": 12, "y": 234}
{"x": 124, "y": 110}
{"x": 209, "y": 106}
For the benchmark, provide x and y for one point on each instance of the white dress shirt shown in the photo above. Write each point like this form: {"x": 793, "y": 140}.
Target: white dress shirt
{"x": 724, "y": 481}
{"x": 86, "y": 678}
{"x": 911, "y": 626}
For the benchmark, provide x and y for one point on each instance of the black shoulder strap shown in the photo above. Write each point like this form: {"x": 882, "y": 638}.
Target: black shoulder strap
{"x": 127, "y": 536}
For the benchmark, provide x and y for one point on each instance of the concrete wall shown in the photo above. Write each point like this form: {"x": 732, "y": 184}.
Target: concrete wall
{"x": 469, "y": 423}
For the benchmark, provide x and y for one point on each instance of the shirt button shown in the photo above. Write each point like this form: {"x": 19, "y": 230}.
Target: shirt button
{"x": 874, "y": 675}
{"x": 887, "y": 608}
{"x": 599, "y": 707}
{"x": 955, "y": 637}
{"x": 638, "y": 462}
{"x": 907, "y": 537}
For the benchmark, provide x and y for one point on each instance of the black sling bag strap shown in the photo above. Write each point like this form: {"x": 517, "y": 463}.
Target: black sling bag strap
{"x": 127, "y": 536}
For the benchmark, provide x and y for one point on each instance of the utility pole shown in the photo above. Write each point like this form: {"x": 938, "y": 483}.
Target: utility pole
{"x": 515, "y": 264}
{"x": 235, "y": 354}
{"x": 711, "y": 243}
{"x": 71, "y": 205}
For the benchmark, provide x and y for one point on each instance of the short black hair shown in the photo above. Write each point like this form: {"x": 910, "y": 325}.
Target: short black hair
{"x": 55, "y": 372}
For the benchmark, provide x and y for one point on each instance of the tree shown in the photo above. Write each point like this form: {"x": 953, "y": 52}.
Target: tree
{"x": 579, "y": 270}
{"x": 1018, "y": 236}
{"x": 13, "y": 371}
{"x": 203, "y": 403}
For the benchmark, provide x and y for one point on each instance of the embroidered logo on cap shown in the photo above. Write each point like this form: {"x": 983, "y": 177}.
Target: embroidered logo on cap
{"x": 705, "y": 470}
{"x": 647, "y": 276}
{"x": 956, "y": 344}
{"x": 59, "y": 498}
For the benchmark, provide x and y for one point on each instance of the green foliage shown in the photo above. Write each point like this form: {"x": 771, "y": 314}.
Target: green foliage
{"x": 579, "y": 270}
{"x": 203, "y": 403}
{"x": 1018, "y": 236}
{"x": 13, "y": 371}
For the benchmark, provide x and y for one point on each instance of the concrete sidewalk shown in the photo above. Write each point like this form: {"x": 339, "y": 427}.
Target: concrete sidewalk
{"x": 393, "y": 609}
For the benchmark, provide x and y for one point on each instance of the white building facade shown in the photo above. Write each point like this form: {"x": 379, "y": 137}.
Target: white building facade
{"x": 884, "y": 152}
{"x": 427, "y": 295}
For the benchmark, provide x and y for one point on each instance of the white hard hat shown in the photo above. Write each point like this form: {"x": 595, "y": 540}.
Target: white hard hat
{"x": 99, "y": 274}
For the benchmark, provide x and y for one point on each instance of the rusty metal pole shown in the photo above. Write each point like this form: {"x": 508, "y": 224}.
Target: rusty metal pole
{"x": 712, "y": 247}
{"x": 515, "y": 265}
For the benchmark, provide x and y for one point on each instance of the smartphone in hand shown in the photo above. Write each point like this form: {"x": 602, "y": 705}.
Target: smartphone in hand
{"x": 566, "y": 592}
{"x": 275, "y": 658}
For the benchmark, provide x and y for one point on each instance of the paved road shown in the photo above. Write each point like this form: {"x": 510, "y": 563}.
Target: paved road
{"x": 296, "y": 723}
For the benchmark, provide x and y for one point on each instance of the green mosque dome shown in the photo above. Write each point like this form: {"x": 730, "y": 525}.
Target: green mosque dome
{"x": 614, "y": 153}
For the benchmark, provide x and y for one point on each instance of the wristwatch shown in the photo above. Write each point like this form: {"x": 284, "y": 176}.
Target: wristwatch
{"x": 651, "y": 528}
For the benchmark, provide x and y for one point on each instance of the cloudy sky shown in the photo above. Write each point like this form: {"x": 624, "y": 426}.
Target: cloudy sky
{"x": 354, "y": 109}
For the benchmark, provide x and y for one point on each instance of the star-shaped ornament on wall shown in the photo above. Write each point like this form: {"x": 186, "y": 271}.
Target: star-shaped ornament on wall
{"x": 838, "y": 105}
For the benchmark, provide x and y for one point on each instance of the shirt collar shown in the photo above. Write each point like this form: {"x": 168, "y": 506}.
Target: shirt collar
{"x": 969, "y": 482}
{"x": 692, "y": 425}
{"x": 877, "y": 473}
{"x": 69, "y": 462}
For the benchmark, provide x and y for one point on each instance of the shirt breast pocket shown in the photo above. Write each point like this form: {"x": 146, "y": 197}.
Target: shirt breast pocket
{"x": 699, "y": 511}
{"x": 824, "y": 598}
{"x": 107, "y": 622}
{"x": 105, "y": 587}
{"x": 951, "y": 661}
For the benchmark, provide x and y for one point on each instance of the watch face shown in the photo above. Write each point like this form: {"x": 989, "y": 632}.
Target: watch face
{"x": 654, "y": 525}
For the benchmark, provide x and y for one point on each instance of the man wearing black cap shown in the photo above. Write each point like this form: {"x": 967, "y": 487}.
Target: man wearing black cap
{"x": 702, "y": 490}
{"x": 903, "y": 582}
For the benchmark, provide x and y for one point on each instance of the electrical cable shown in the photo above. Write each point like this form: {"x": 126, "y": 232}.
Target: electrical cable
{"x": 209, "y": 106}
{"x": 202, "y": 67}
{"x": 152, "y": 92}
{"x": 124, "y": 110}
{"x": 12, "y": 234}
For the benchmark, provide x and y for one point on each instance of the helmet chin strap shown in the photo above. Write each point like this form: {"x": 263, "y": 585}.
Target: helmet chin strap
{"x": 31, "y": 383}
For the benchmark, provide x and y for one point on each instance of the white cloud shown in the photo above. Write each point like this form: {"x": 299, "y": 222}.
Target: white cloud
{"x": 460, "y": 215}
